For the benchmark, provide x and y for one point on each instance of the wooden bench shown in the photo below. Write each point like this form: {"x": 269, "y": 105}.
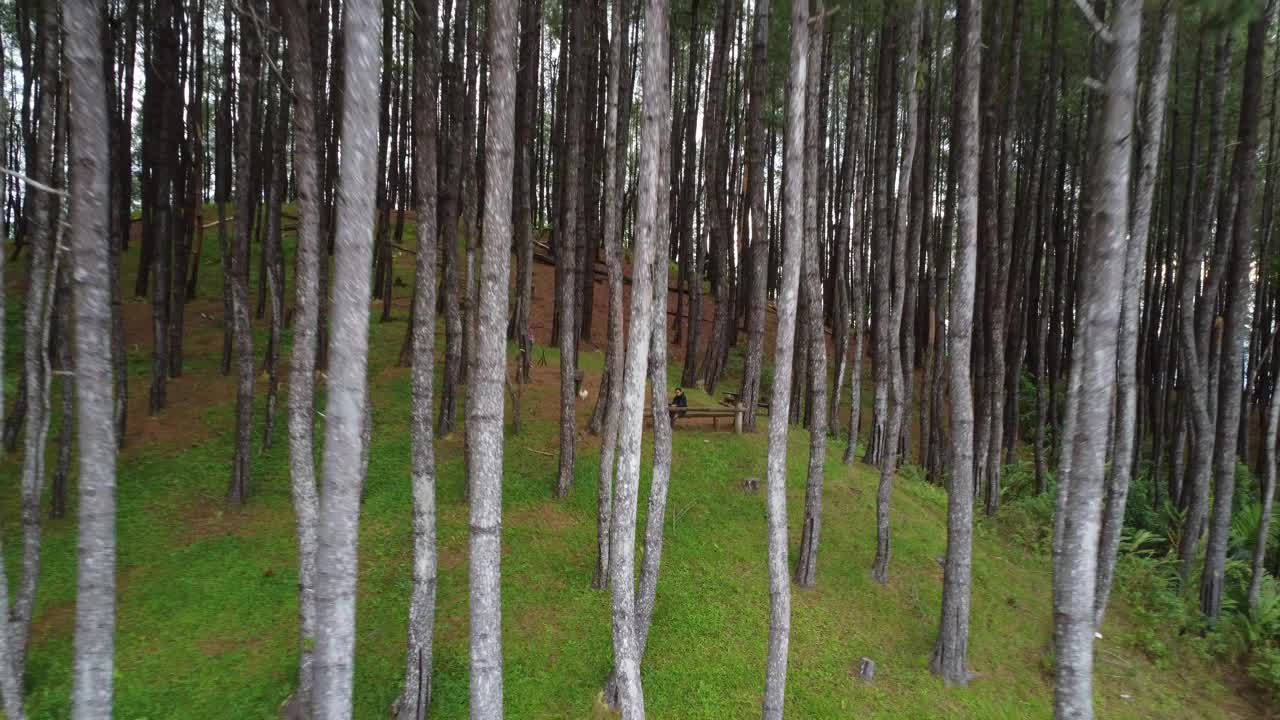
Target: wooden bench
{"x": 735, "y": 412}
{"x": 733, "y": 400}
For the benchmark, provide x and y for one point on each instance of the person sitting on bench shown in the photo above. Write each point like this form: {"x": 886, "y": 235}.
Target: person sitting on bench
{"x": 679, "y": 403}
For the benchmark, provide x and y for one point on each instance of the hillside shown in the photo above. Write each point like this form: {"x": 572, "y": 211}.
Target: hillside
{"x": 207, "y": 595}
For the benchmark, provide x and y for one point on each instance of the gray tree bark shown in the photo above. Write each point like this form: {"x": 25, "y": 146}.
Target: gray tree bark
{"x": 854, "y": 124}
{"x": 893, "y": 317}
{"x": 91, "y": 245}
{"x": 951, "y": 648}
{"x": 1268, "y": 498}
{"x": 348, "y": 365}
{"x": 1092, "y": 389}
{"x": 1194, "y": 351}
{"x": 1236, "y": 330}
{"x": 749, "y": 395}
{"x": 302, "y": 469}
{"x": 566, "y": 258}
{"x": 488, "y": 376}
{"x": 415, "y": 700}
{"x": 42, "y": 271}
{"x": 715, "y": 171}
{"x": 775, "y": 678}
{"x": 806, "y": 573}
{"x": 242, "y": 333}
{"x": 654, "y": 128}
{"x": 614, "y": 172}
{"x": 1125, "y": 425}
{"x": 10, "y": 687}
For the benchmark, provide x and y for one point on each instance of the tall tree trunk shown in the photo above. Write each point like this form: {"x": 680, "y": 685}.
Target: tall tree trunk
{"x": 419, "y": 663}
{"x": 653, "y": 129}
{"x": 775, "y": 679}
{"x": 615, "y": 144}
{"x": 1091, "y": 391}
{"x": 854, "y": 124}
{"x": 951, "y": 648}
{"x": 807, "y": 558}
{"x": 749, "y": 395}
{"x": 160, "y": 116}
{"x": 61, "y": 365}
{"x": 222, "y": 192}
{"x": 566, "y": 259}
{"x": 11, "y": 698}
{"x": 302, "y": 470}
{"x": 488, "y": 375}
{"x": 1236, "y": 330}
{"x": 897, "y": 411}
{"x": 883, "y": 238}
{"x": 250, "y": 61}
{"x": 42, "y": 270}
{"x": 690, "y": 243}
{"x": 275, "y": 266}
{"x": 450, "y": 223}
{"x": 1195, "y": 486}
{"x": 525, "y": 168}
{"x": 715, "y": 171}
{"x": 348, "y": 373}
{"x": 91, "y": 244}
{"x": 1117, "y": 486}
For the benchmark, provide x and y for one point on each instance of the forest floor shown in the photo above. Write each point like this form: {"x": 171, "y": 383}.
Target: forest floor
{"x": 207, "y": 614}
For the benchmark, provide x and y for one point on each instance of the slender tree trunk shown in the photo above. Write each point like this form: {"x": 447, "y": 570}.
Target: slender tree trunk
{"x": 91, "y": 244}
{"x": 566, "y": 260}
{"x": 951, "y": 648}
{"x": 749, "y": 395}
{"x": 488, "y": 375}
{"x": 716, "y": 147}
{"x": 160, "y": 116}
{"x": 897, "y": 411}
{"x": 275, "y": 267}
{"x": 806, "y": 573}
{"x": 840, "y": 316}
{"x": 775, "y": 681}
{"x": 1093, "y": 368}
{"x": 1268, "y": 498}
{"x": 525, "y": 172}
{"x": 251, "y": 58}
{"x": 626, "y": 643}
{"x": 414, "y": 702}
{"x": 1193, "y": 351}
{"x": 302, "y": 470}
{"x": 348, "y": 388}
{"x": 11, "y": 698}
{"x": 42, "y": 270}
{"x": 1236, "y": 330}
{"x": 61, "y": 365}
{"x": 614, "y": 148}
{"x": 451, "y": 223}
{"x": 222, "y": 153}
{"x": 1117, "y": 486}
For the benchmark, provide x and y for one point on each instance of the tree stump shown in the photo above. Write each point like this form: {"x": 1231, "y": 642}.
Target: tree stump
{"x": 751, "y": 484}
{"x": 867, "y": 669}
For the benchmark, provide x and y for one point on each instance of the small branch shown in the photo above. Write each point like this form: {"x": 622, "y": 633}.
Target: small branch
{"x": 1092, "y": 19}
{"x": 540, "y": 452}
{"x": 33, "y": 182}
{"x": 252, "y": 14}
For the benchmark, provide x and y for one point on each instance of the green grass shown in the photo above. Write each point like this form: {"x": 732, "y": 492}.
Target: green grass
{"x": 207, "y": 595}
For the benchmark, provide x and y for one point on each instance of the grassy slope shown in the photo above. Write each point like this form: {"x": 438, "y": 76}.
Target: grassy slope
{"x": 207, "y": 613}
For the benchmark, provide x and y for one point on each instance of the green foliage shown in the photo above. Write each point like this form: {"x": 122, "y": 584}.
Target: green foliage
{"x": 1265, "y": 671}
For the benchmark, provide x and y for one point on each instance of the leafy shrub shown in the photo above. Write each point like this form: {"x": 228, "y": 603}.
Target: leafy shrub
{"x": 1265, "y": 671}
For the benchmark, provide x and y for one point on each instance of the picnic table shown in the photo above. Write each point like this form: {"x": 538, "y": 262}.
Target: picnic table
{"x": 715, "y": 413}
{"x": 733, "y": 399}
